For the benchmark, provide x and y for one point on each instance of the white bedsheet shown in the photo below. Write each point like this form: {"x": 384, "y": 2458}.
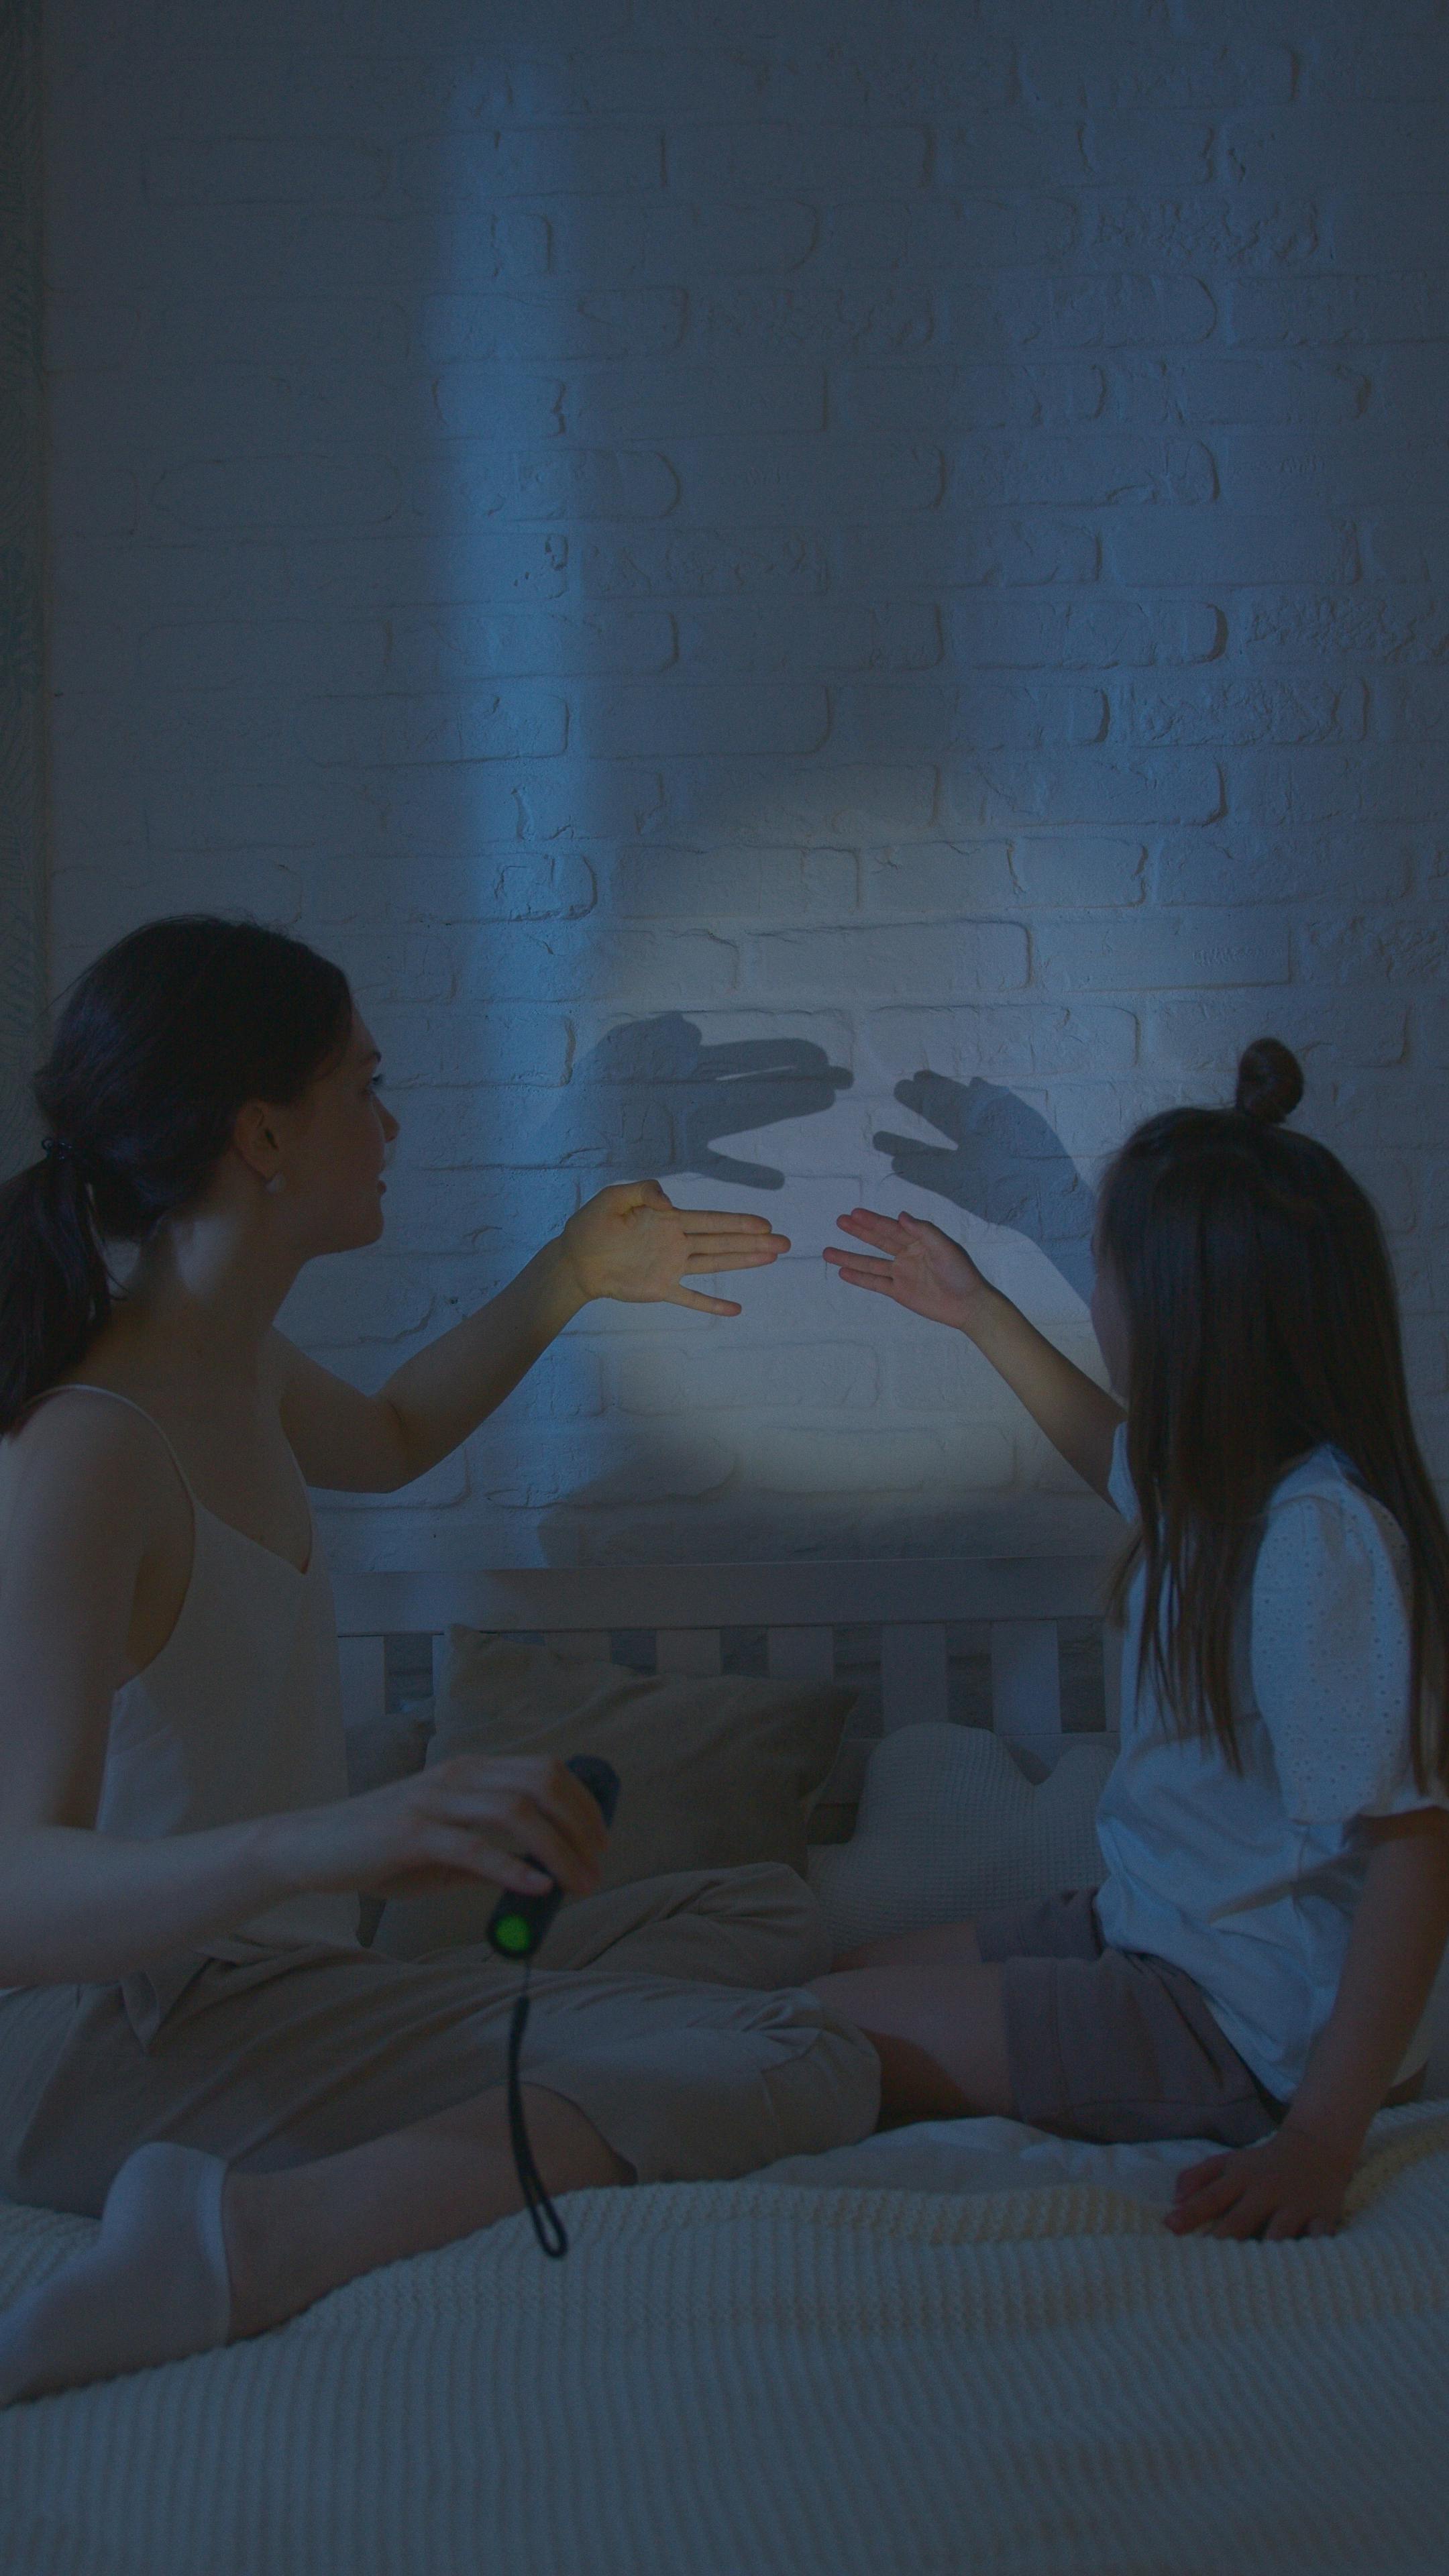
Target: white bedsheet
{"x": 742, "y": 2379}
{"x": 993, "y": 2155}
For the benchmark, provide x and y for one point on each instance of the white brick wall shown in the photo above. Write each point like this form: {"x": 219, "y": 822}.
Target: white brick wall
{"x": 725, "y": 562}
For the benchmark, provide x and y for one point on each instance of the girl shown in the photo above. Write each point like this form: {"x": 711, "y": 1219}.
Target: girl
{"x": 192, "y": 2042}
{"x": 1256, "y": 1964}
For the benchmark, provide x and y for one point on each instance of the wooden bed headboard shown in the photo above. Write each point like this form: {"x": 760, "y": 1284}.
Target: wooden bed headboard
{"x": 580, "y": 1610}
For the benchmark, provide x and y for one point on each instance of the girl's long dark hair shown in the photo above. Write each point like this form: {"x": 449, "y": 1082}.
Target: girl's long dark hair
{"x": 1262, "y": 1321}
{"x": 160, "y": 1044}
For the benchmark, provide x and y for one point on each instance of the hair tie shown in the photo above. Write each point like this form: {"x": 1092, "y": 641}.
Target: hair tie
{"x": 59, "y": 1149}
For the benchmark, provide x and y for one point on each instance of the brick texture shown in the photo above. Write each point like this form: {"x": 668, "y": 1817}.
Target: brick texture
{"x": 834, "y": 602}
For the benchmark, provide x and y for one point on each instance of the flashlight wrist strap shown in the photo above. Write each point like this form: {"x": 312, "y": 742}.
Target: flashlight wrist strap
{"x": 547, "y": 2225}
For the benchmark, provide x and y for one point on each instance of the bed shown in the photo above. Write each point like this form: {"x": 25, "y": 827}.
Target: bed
{"x": 961, "y": 2347}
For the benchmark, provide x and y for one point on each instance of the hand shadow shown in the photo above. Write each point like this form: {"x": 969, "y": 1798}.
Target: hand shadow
{"x": 1004, "y": 1163}
{"x": 653, "y": 1097}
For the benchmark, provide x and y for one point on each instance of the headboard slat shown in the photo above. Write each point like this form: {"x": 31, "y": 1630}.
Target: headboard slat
{"x": 687, "y": 1650}
{"x": 1026, "y": 1684}
{"x": 579, "y": 1645}
{"x": 914, "y": 1677}
{"x": 363, "y": 1662}
{"x": 800, "y": 1654}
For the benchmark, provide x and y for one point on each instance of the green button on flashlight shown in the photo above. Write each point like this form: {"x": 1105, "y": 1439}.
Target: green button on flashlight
{"x": 519, "y": 1923}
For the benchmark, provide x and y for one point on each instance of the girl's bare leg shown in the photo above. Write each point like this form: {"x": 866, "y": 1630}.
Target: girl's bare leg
{"x": 939, "y": 2031}
{"x": 943, "y": 1943}
{"x": 292, "y": 2236}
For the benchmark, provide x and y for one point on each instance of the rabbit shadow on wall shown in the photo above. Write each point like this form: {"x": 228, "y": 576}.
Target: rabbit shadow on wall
{"x": 653, "y": 1097}
{"x": 1002, "y": 1162}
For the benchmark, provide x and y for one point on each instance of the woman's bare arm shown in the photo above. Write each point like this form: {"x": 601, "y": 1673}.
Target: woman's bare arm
{"x": 923, "y": 1270}
{"x": 86, "y": 1492}
{"x": 630, "y": 1243}
{"x": 78, "y": 1906}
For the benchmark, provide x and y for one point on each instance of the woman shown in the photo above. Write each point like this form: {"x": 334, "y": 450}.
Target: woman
{"x": 192, "y": 2042}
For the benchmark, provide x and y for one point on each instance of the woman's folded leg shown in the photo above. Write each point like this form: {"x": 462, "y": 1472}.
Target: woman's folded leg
{"x": 299, "y": 2056}
{"x": 759, "y": 1925}
{"x": 329, "y": 2111}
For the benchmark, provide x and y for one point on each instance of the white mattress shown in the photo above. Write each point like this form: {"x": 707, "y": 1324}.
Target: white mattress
{"x": 992, "y": 2155}
{"x": 746, "y": 2379}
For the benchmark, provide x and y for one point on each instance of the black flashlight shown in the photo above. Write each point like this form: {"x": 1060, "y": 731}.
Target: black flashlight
{"x": 518, "y": 1923}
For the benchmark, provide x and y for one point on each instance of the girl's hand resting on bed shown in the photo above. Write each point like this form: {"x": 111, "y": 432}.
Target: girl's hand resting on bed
{"x": 919, "y": 1266}
{"x": 634, "y": 1243}
{"x": 448, "y": 1826}
{"x": 1292, "y": 2185}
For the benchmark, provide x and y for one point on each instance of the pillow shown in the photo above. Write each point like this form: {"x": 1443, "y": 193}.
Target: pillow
{"x": 714, "y": 1772}
{"x": 383, "y": 1749}
{"x": 950, "y": 1825}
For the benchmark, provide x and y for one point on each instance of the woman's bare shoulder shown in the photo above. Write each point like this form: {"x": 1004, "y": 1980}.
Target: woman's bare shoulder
{"x": 78, "y": 1451}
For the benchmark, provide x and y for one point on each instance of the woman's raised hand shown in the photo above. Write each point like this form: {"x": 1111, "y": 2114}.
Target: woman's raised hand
{"x": 917, "y": 1265}
{"x": 473, "y": 1817}
{"x": 633, "y": 1243}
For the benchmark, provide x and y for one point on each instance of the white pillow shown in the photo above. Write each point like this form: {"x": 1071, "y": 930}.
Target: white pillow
{"x": 950, "y": 1826}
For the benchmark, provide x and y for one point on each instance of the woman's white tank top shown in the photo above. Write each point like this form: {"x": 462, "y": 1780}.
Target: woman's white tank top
{"x": 238, "y": 1716}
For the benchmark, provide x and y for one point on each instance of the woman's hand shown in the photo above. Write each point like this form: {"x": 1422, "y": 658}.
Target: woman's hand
{"x": 1292, "y": 2185}
{"x": 921, "y": 1267}
{"x": 470, "y": 1818}
{"x": 633, "y": 1243}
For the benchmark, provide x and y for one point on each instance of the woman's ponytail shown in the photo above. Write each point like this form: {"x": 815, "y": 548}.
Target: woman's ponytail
{"x": 161, "y": 1043}
{"x": 55, "y": 1290}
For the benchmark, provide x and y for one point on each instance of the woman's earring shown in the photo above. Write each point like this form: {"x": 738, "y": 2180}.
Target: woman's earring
{"x": 275, "y": 1184}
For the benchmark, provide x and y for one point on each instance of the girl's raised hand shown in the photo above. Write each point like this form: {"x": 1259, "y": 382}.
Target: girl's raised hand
{"x": 918, "y": 1265}
{"x": 1292, "y": 2185}
{"x": 633, "y": 1243}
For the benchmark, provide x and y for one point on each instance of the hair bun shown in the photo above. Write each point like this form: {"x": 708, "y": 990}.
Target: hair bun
{"x": 1270, "y": 1081}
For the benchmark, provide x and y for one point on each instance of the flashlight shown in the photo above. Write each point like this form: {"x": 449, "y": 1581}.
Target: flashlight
{"x": 518, "y": 1923}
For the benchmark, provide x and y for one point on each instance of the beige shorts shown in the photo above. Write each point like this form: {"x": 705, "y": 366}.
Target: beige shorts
{"x": 1111, "y": 2044}
{"x": 670, "y": 2013}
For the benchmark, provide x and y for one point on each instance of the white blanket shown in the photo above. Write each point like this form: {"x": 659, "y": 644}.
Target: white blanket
{"x": 824, "y": 2380}
{"x": 993, "y": 2155}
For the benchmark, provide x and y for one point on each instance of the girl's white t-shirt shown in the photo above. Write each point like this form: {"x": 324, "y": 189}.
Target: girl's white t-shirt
{"x": 1249, "y": 1881}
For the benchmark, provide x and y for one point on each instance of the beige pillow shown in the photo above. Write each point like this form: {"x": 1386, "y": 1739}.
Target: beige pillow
{"x": 383, "y": 1749}
{"x": 713, "y": 1773}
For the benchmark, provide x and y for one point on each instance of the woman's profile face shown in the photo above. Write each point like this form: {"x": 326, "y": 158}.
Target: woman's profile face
{"x": 339, "y": 1148}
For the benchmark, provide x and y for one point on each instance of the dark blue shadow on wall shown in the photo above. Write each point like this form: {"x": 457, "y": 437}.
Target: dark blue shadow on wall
{"x": 656, "y": 1084}
{"x": 654, "y": 1097}
{"x": 1003, "y": 1162}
